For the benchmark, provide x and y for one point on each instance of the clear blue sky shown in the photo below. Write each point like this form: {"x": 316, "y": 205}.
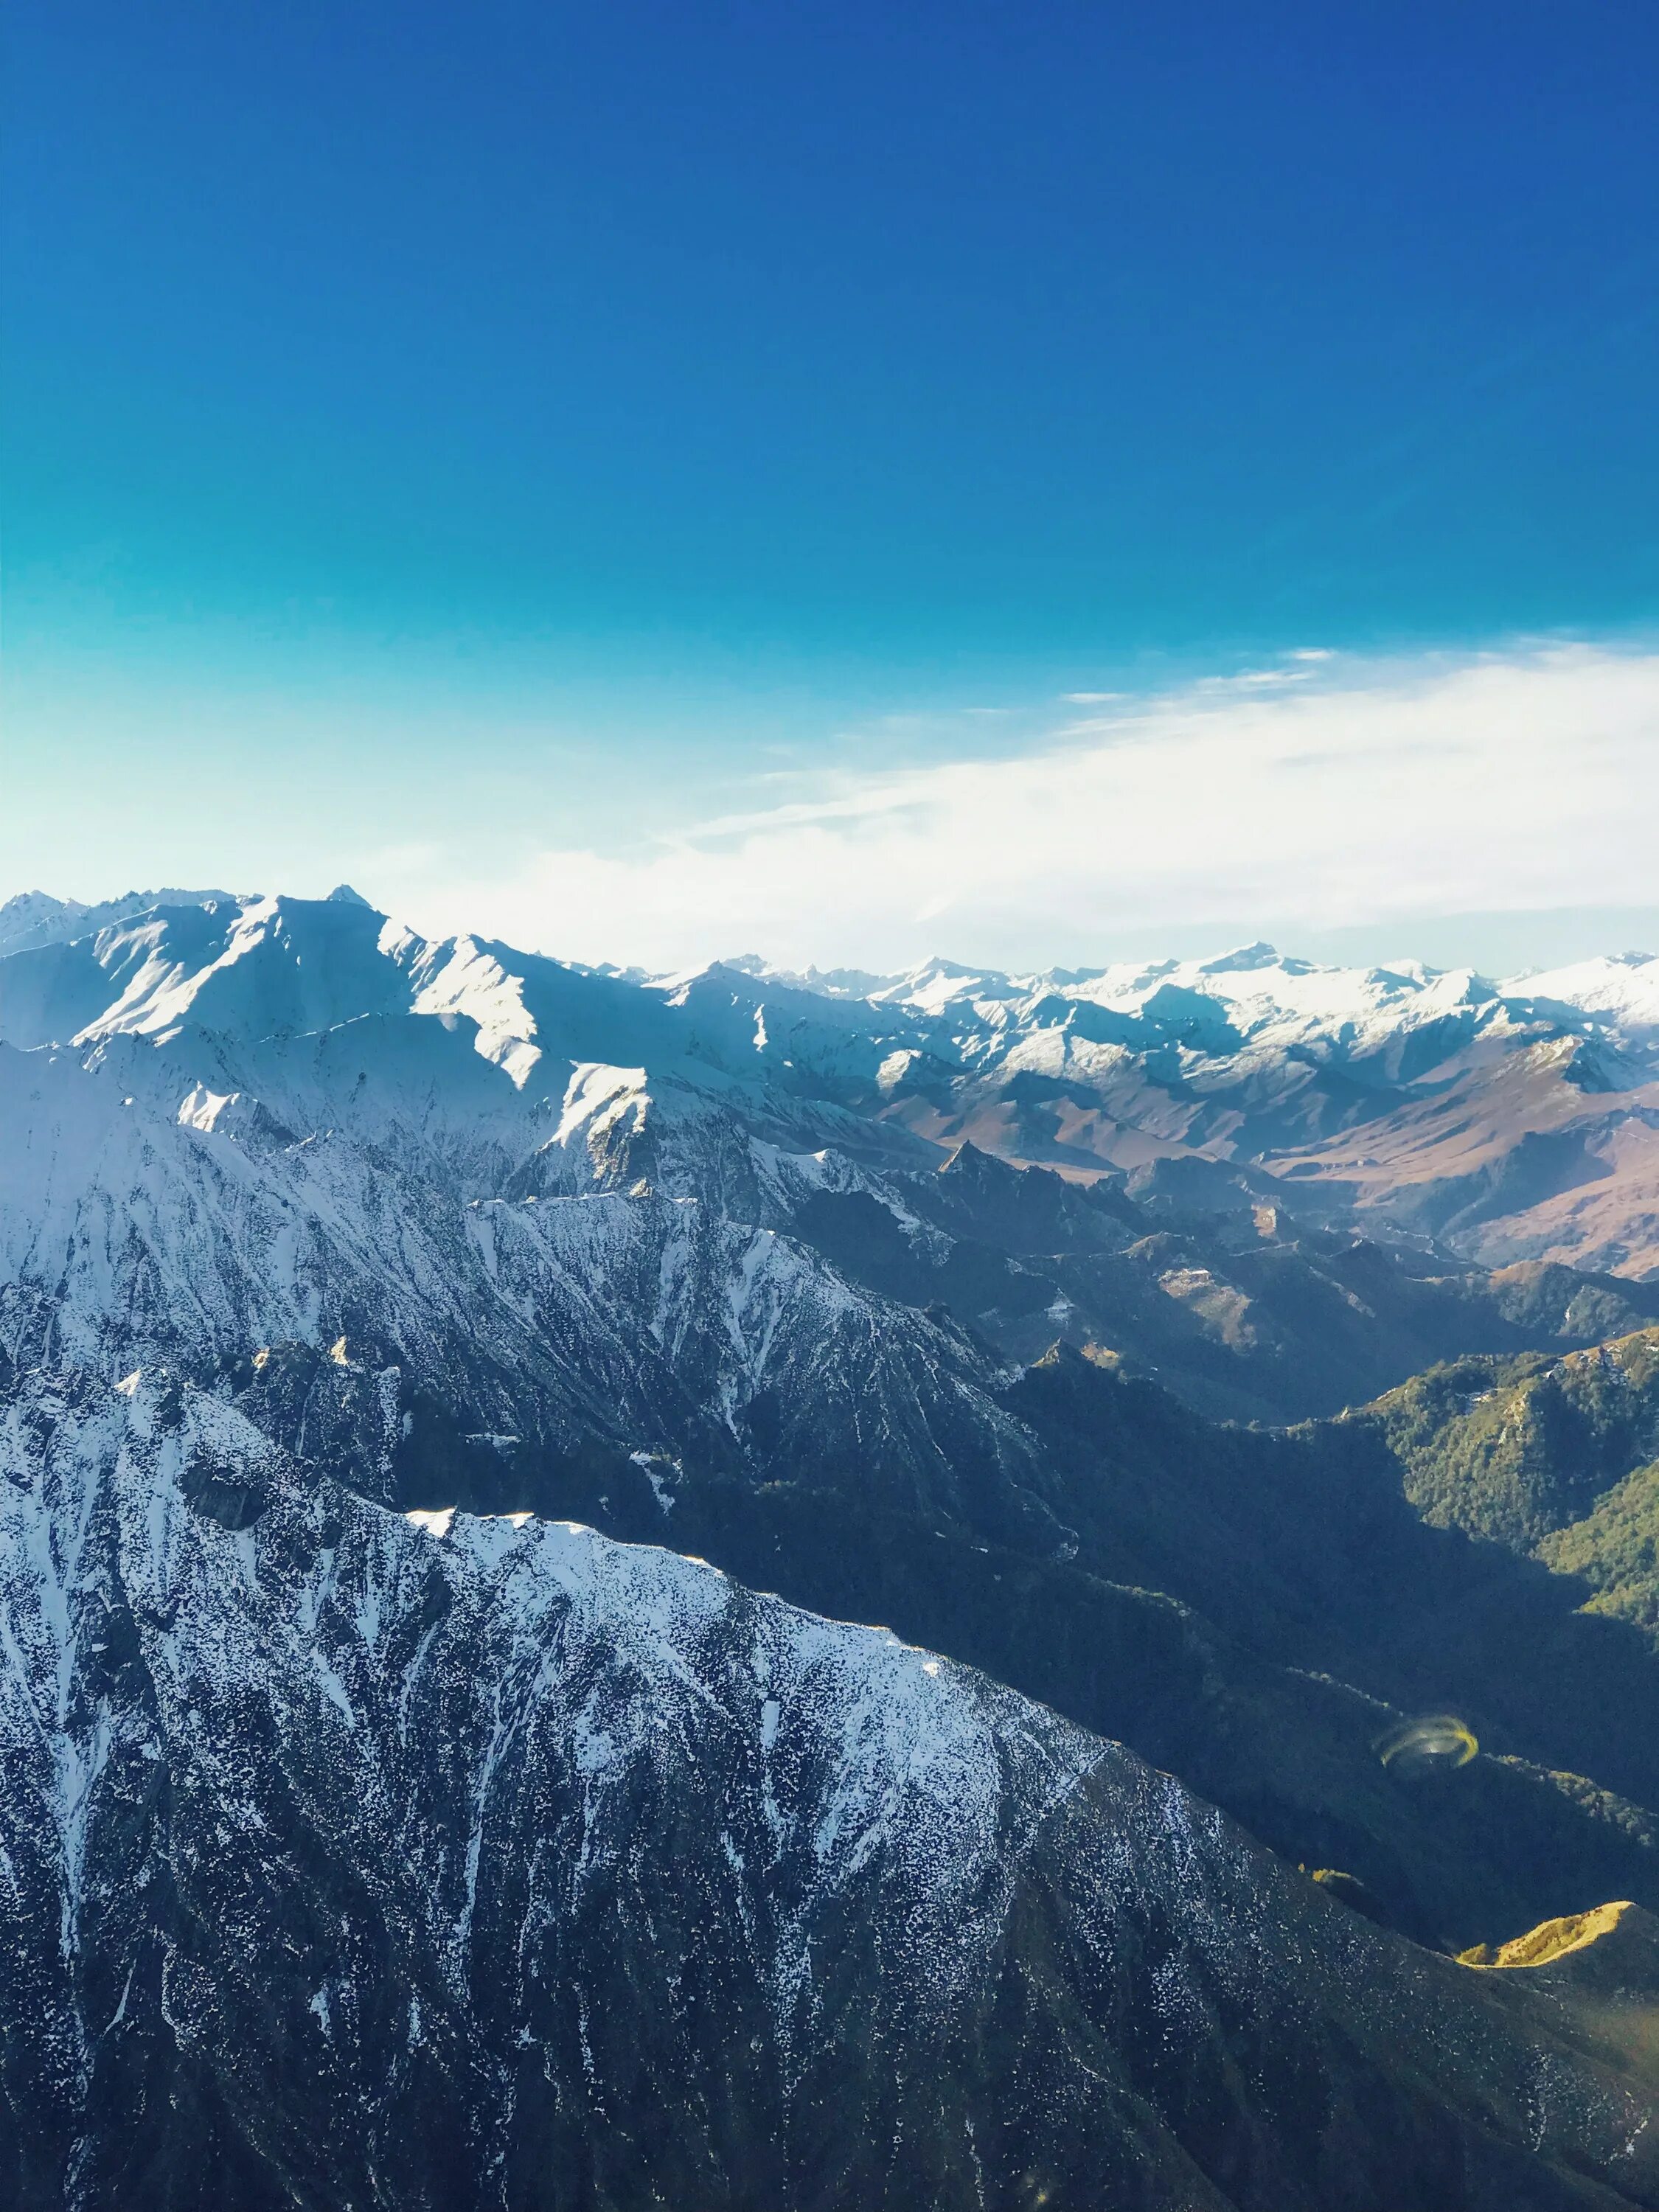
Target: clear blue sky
{"x": 553, "y": 416}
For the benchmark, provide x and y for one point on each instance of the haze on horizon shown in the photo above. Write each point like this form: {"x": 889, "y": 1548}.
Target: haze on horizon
{"x": 851, "y": 482}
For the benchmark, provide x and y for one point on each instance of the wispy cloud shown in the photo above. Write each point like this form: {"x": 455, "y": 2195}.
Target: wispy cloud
{"x": 1314, "y": 796}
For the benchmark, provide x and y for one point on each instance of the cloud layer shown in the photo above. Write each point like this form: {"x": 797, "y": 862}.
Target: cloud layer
{"x": 1313, "y": 796}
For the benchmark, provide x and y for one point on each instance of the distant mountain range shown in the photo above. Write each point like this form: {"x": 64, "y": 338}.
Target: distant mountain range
{"x": 1510, "y": 1121}
{"x": 421, "y": 1361}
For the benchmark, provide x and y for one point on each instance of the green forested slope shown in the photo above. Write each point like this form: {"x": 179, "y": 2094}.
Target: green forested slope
{"x": 1554, "y": 1458}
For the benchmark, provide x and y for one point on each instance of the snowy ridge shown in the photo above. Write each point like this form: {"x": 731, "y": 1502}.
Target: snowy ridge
{"x": 203, "y": 1229}
{"x": 270, "y": 1751}
{"x": 232, "y": 1123}
{"x": 238, "y": 966}
{"x": 365, "y": 1848}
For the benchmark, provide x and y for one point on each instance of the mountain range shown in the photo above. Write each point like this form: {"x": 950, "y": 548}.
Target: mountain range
{"x": 748, "y": 1588}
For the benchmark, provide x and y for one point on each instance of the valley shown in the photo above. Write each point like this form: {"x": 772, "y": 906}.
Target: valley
{"x": 559, "y": 1525}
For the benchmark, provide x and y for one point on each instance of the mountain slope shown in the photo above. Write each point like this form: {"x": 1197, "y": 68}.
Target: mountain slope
{"x": 361, "y": 1862}
{"x": 1554, "y": 1458}
{"x": 430, "y": 1249}
{"x": 313, "y": 1231}
{"x": 1512, "y": 1120}
{"x": 266, "y": 1169}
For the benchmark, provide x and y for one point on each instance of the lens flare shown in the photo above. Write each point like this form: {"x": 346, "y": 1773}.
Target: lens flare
{"x": 1436, "y": 1743}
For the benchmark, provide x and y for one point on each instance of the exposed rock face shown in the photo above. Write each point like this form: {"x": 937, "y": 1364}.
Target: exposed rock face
{"x": 1515, "y": 1120}
{"x": 355, "y": 1852}
{"x": 351, "y": 1859}
{"x": 232, "y": 1123}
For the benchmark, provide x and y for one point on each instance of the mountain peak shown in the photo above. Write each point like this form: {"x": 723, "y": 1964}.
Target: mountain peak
{"x": 36, "y": 917}
{"x": 1242, "y": 958}
{"x": 33, "y": 920}
{"x": 344, "y": 895}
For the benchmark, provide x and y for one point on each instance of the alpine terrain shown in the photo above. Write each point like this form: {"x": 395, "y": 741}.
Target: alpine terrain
{"x": 768, "y": 1590}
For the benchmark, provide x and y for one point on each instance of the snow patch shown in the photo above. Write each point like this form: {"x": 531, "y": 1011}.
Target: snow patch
{"x": 433, "y": 1520}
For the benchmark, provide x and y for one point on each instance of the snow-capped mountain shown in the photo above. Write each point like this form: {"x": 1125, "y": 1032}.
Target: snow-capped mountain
{"x": 354, "y": 1857}
{"x": 341, "y": 1267}
{"x": 34, "y": 918}
{"x": 1513, "y": 1119}
{"x": 200, "y": 1038}
{"x": 235, "y": 1122}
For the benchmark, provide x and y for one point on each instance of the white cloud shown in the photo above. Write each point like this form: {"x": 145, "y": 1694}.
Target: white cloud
{"x": 1339, "y": 794}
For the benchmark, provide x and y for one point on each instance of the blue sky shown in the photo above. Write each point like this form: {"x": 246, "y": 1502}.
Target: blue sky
{"x": 440, "y": 438}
